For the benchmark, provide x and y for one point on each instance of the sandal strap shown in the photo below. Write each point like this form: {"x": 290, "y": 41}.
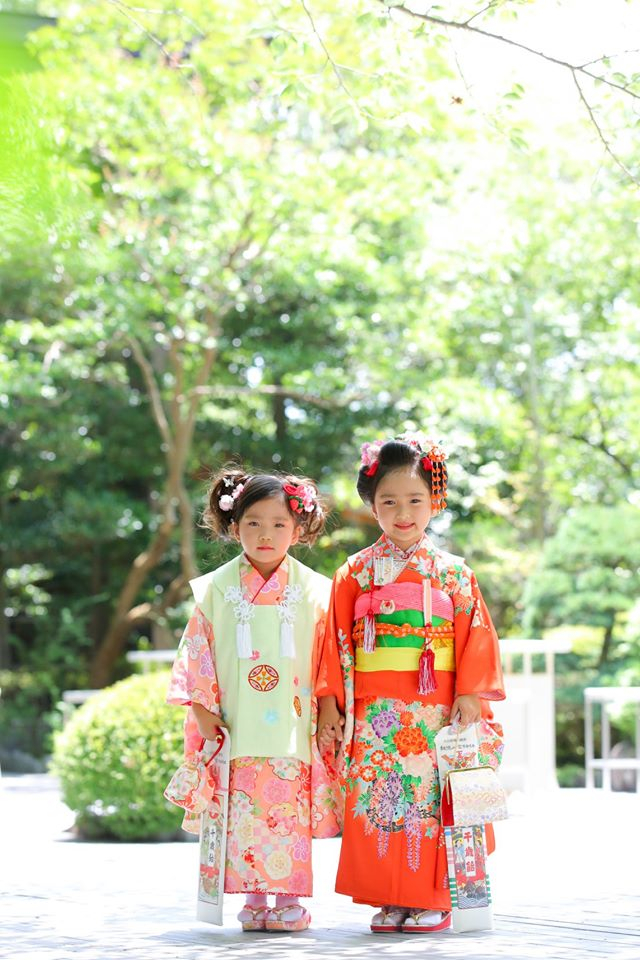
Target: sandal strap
{"x": 255, "y": 911}
{"x": 278, "y": 911}
{"x": 418, "y": 914}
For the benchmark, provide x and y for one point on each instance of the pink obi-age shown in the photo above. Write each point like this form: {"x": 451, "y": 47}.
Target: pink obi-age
{"x": 402, "y": 596}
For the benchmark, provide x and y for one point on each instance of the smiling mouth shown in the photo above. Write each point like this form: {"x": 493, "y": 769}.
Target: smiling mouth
{"x": 404, "y": 526}
{"x": 265, "y": 548}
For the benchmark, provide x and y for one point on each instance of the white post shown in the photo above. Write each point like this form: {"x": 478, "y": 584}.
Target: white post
{"x": 606, "y": 746}
{"x": 588, "y": 742}
{"x": 638, "y": 746}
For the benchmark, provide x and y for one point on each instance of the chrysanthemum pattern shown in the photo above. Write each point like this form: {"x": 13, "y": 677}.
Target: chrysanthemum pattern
{"x": 269, "y": 837}
{"x": 394, "y": 773}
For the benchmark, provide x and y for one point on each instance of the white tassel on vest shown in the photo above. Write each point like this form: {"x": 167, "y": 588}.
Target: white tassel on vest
{"x": 244, "y": 613}
{"x": 243, "y": 641}
{"x": 291, "y": 596}
{"x": 287, "y": 645}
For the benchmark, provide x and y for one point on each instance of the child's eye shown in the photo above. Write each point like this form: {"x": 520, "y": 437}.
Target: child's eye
{"x": 417, "y": 500}
{"x": 252, "y": 523}
{"x": 279, "y": 524}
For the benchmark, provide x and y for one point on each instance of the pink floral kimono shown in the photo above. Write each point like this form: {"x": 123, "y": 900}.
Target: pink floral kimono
{"x": 276, "y": 804}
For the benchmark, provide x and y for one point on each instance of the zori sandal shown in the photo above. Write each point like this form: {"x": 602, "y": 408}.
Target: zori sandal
{"x": 289, "y": 919}
{"x": 253, "y": 918}
{"x": 388, "y": 920}
{"x": 426, "y": 921}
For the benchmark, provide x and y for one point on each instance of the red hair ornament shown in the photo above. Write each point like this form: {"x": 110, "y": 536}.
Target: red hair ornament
{"x": 301, "y": 498}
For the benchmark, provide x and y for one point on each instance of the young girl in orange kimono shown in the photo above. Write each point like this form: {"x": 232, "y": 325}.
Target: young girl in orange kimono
{"x": 409, "y": 647}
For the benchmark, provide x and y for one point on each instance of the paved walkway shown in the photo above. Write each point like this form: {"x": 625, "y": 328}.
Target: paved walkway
{"x": 564, "y": 878}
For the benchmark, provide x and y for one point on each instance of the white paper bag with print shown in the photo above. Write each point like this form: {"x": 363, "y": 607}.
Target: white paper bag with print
{"x": 213, "y": 839}
{"x": 469, "y": 885}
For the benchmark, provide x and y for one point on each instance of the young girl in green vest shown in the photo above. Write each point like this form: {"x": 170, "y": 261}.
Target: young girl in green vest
{"x": 246, "y": 663}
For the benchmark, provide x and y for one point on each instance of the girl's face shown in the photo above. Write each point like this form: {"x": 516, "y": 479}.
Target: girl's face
{"x": 402, "y": 506}
{"x": 266, "y": 530}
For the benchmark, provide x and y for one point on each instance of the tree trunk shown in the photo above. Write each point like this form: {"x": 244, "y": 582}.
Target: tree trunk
{"x": 175, "y": 421}
{"x": 99, "y": 619}
{"x": 5, "y": 653}
{"x": 279, "y": 416}
{"x": 607, "y": 644}
{"x": 126, "y": 616}
{"x": 177, "y": 512}
{"x": 5, "y": 657}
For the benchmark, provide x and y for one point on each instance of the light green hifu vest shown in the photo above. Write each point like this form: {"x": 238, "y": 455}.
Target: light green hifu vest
{"x": 265, "y": 700}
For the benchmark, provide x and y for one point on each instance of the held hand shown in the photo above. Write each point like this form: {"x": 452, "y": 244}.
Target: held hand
{"x": 208, "y": 723}
{"x": 330, "y": 723}
{"x": 329, "y": 733}
{"x": 466, "y": 709}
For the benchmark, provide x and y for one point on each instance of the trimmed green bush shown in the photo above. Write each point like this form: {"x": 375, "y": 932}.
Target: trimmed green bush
{"x": 115, "y": 757}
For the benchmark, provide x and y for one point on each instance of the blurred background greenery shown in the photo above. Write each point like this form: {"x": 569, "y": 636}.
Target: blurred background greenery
{"x": 273, "y": 232}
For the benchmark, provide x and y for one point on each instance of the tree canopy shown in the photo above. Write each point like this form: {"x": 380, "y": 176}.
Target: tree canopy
{"x": 274, "y": 233}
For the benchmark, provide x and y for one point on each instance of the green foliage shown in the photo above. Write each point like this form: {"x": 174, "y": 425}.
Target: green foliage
{"x": 571, "y": 775}
{"x": 589, "y": 572}
{"x": 115, "y": 757}
{"x": 320, "y": 202}
{"x": 27, "y": 712}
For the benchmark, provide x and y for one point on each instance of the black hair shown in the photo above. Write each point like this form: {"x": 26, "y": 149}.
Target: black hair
{"x": 255, "y": 487}
{"x": 393, "y": 455}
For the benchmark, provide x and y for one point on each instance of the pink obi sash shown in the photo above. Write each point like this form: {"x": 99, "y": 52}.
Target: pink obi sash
{"x": 402, "y": 596}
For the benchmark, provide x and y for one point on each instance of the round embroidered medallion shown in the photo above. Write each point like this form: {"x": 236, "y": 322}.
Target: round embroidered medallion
{"x": 297, "y": 706}
{"x": 263, "y": 678}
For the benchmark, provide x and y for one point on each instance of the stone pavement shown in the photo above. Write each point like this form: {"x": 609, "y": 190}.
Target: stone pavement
{"x": 564, "y": 879}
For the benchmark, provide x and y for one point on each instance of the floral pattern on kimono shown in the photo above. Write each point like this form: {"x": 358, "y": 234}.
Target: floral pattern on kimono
{"x": 269, "y": 836}
{"x": 275, "y": 805}
{"x": 394, "y": 771}
{"x": 387, "y": 763}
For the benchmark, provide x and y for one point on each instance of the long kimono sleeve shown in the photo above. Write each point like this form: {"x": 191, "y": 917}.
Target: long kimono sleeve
{"x": 337, "y": 636}
{"x": 193, "y": 677}
{"x": 478, "y": 668}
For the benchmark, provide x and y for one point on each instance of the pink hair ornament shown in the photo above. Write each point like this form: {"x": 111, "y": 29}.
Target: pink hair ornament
{"x": 227, "y": 501}
{"x": 369, "y": 456}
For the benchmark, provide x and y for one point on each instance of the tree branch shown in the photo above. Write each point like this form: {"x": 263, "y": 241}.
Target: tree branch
{"x": 154, "y": 393}
{"x": 178, "y": 385}
{"x": 127, "y": 12}
{"x": 467, "y": 26}
{"x": 170, "y": 58}
{"x": 475, "y": 16}
{"x": 608, "y": 56}
{"x": 602, "y": 447}
{"x": 274, "y": 390}
{"x": 575, "y": 69}
{"x": 599, "y": 131}
{"x": 332, "y": 62}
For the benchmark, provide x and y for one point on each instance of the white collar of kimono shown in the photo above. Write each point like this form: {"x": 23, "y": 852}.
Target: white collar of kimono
{"x": 385, "y": 546}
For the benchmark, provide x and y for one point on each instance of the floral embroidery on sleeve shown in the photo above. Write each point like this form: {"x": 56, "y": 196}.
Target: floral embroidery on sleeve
{"x": 478, "y": 617}
{"x": 459, "y": 582}
{"x": 193, "y": 679}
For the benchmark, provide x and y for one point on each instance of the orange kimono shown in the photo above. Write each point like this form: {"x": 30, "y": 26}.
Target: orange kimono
{"x": 393, "y": 849}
